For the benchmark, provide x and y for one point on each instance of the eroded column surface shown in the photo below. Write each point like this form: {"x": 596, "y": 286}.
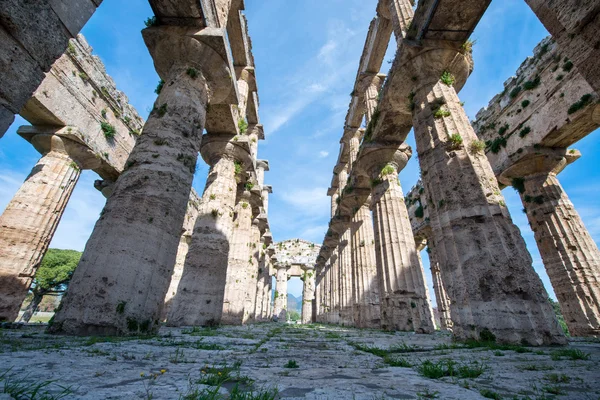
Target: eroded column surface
{"x": 334, "y": 317}
{"x": 345, "y": 280}
{"x": 441, "y": 297}
{"x": 252, "y": 272}
{"x": 484, "y": 263}
{"x": 308, "y": 295}
{"x": 30, "y": 220}
{"x": 365, "y": 282}
{"x": 200, "y": 294}
{"x": 240, "y": 262}
{"x": 569, "y": 253}
{"x": 402, "y": 15}
{"x": 574, "y": 25}
{"x": 261, "y": 284}
{"x": 403, "y": 296}
{"x": 120, "y": 284}
{"x": 280, "y": 307}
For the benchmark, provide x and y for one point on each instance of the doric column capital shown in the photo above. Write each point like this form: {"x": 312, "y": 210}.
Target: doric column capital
{"x": 535, "y": 161}
{"x": 372, "y": 158}
{"x": 46, "y": 140}
{"x": 176, "y": 49}
{"x": 216, "y": 146}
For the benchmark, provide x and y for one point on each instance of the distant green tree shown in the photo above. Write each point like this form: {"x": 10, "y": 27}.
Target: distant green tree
{"x": 293, "y": 315}
{"x": 52, "y": 277}
{"x": 561, "y": 319}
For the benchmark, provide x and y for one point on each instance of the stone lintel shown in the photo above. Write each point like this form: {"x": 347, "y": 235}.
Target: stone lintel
{"x": 448, "y": 20}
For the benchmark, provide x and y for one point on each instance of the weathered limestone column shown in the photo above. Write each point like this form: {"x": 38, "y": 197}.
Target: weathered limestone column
{"x": 182, "y": 250}
{"x": 345, "y": 280}
{"x": 239, "y": 263}
{"x": 255, "y": 132}
{"x": 261, "y": 283}
{"x": 31, "y": 218}
{"x": 365, "y": 283}
{"x": 372, "y": 84}
{"x": 334, "y": 295}
{"x": 484, "y": 263}
{"x": 252, "y": 271}
{"x": 324, "y": 291}
{"x": 120, "y": 284}
{"x": 201, "y": 291}
{"x": 318, "y": 303}
{"x": 403, "y": 296}
{"x": 574, "y": 26}
{"x": 442, "y": 300}
{"x": 268, "y": 290}
{"x": 402, "y": 15}
{"x": 280, "y": 307}
{"x": 570, "y": 255}
{"x": 308, "y": 295}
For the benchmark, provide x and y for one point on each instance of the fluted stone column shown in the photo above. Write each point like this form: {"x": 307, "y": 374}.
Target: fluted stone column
{"x": 403, "y": 295}
{"x": 31, "y": 218}
{"x": 200, "y": 294}
{"x": 252, "y": 272}
{"x": 308, "y": 295}
{"x": 268, "y": 290}
{"x": 574, "y": 26}
{"x": 261, "y": 283}
{"x": 239, "y": 263}
{"x": 325, "y": 288}
{"x": 346, "y": 285}
{"x": 569, "y": 253}
{"x": 365, "y": 283}
{"x": 372, "y": 84}
{"x": 280, "y": 307}
{"x": 319, "y": 289}
{"x": 120, "y": 284}
{"x": 402, "y": 15}
{"x": 442, "y": 300}
{"x": 184, "y": 247}
{"x": 485, "y": 265}
{"x": 335, "y": 287}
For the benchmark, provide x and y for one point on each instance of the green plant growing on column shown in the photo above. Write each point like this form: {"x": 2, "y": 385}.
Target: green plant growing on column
{"x": 440, "y": 113}
{"x": 477, "y": 146}
{"x": 243, "y": 125}
{"x": 447, "y": 78}
{"x": 159, "y": 87}
{"x": 108, "y": 130}
{"x": 192, "y": 73}
{"x": 152, "y": 21}
{"x": 387, "y": 170}
{"x": 524, "y": 132}
{"x": 456, "y": 141}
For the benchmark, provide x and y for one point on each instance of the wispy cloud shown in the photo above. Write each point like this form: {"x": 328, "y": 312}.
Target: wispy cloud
{"x": 323, "y": 154}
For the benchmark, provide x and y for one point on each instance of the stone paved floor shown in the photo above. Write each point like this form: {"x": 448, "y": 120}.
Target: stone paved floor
{"x": 332, "y": 364}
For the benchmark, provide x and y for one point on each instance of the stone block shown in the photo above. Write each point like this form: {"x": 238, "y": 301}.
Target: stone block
{"x": 44, "y": 37}
{"x": 21, "y": 74}
{"x": 73, "y": 13}
{"x": 6, "y": 119}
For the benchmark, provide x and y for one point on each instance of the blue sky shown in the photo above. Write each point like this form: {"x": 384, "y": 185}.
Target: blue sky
{"x": 306, "y": 54}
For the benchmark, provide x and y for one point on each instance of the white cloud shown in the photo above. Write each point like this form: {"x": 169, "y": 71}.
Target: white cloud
{"x": 307, "y": 200}
{"x": 323, "y": 154}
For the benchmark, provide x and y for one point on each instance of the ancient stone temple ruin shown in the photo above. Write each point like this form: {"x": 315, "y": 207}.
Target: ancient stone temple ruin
{"x": 160, "y": 253}
{"x": 163, "y": 257}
